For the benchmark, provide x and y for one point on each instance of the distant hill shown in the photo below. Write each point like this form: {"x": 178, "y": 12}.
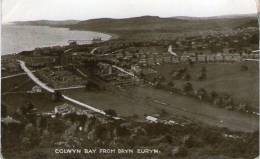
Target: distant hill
{"x": 155, "y": 26}
{"x": 219, "y": 17}
{"x": 252, "y": 23}
{"x": 48, "y": 22}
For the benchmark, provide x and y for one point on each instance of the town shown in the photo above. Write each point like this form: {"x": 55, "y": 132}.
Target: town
{"x": 137, "y": 93}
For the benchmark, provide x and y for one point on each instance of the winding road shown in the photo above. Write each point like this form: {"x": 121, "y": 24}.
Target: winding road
{"x": 123, "y": 70}
{"x": 210, "y": 115}
{"x": 15, "y": 75}
{"x": 51, "y": 90}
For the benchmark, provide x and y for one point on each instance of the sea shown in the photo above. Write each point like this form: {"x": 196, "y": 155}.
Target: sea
{"x": 17, "y": 38}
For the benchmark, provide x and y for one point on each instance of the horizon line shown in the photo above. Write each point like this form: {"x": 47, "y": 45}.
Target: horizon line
{"x": 69, "y": 19}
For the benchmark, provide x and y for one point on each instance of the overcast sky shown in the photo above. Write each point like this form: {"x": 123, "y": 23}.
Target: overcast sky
{"x": 20, "y": 10}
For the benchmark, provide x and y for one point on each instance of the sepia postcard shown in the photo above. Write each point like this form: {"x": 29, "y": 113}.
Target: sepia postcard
{"x": 130, "y": 79}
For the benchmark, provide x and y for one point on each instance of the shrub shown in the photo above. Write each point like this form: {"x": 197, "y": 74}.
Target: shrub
{"x": 110, "y": 112}
{"x": 187, "y": 87}
{"x": 243, "y": 68}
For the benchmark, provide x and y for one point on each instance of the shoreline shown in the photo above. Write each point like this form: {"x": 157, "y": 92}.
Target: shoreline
{"x": 112, "y": 37}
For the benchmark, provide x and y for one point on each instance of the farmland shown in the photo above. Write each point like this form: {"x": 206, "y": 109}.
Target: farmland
{"x": 223, "y": 78}
{"x": 141, "y": 101}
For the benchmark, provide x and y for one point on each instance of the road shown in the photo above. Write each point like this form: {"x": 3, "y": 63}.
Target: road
{"x": 122, "y": 70}
{"x": 15, "y": 75}
{"x": 171, "y": 51}
{"x": 69, "y": 88}
{"x": 34, "y": 78}
{"x": 140, "y": 100}
{"x": 81, "y": 73}
{"x": 93, "y": 50}
{"x": 147, "y": 100}
{"x": 256, "y": 60}
{"x": 51, "y": 90}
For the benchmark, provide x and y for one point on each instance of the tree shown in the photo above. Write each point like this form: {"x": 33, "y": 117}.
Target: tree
{"x": 254, "y": 39}
{"x": 203, "y": 69}
{"x": 228, "y": 100}
{"x": 244, "y": 68}
{"x": 161, "y": 78}
{"x": 32, "y": 134}
{"x": 170, "y": 84}
{"x": 72, "y": 116}
{"x": 190, "y": 62}
{"x": 202, "y": 76}
{"x": 203, "y": 73}
{"x": 186, "y": 77}
{"x": 182, "y": 152}
{"x": 110, "y": 112}
{"x": 57, "y": 96}
{"x": 121, "y": 131}
{"x": 218, "y": 101}
{"x": 202, "y": 94}
{"x": 29, "y": 107}
{"x": 213, "y": 95}
{"x": 187, "y": 87}
{"x": 142, "y": 75}
{"x": 43, "y": 123}
{"x": 56, "y": 126}
{"x": 3, "y": 110}
{"x": 192, "y": 141}
{"x": 182, "y": 70}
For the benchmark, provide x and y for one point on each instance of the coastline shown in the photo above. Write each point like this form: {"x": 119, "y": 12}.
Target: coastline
{"x": 111, "y": 36}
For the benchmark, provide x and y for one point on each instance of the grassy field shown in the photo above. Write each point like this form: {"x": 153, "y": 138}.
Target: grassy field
{"x": 14, "y": 95}
{"x": 42, "y": 102}
{"x": 139, "y": 101}
{"x": 12, "y": 84}
{"x": 243, "y": 86}
{"x": 142, "y": 101}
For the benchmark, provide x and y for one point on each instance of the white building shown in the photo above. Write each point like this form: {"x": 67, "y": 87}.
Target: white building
{"x": 64, "y": 109}
{"x": 151, "y": 119}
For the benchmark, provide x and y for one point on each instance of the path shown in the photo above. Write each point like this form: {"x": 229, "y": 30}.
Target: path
{"x": 51, "y": 90}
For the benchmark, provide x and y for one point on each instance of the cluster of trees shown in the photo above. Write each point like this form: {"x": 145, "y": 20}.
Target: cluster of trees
{"x": 202, "y": 74}
{"x": 26, "y": 132}
{"x": 183, "y": 74}
{"x": 174, "y": 141}
{"x": 111, "y": 112}
{"x": 222, "y": 100}
{"x": 244, "y": 68}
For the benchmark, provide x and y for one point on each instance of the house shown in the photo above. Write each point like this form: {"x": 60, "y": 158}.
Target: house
{"x": 35, "y": 89}
{"x": 64, "y": 109}
{"x": 96, "y": 40}
{"x": 9, "y": 120}
{"x": 219, "y": 57}
{"x": 151, "y": 119}
{"x": 212, "y": 58}
{"x": 136, "y": 69}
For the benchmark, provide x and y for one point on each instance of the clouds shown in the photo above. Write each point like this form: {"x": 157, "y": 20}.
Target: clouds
{"x": 14, "y": 10}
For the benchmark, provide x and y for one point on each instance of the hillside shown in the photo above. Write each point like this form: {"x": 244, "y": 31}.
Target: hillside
{"x": 251, "y": 23}
{"x": 136, "y": 26}
{"x": 151, "y": 27}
